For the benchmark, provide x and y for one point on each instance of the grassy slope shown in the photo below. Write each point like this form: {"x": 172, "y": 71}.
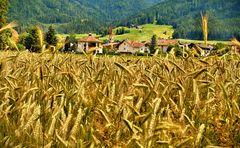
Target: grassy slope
{"x": 148, "y": 31}
{"x": 145, "y": 33}
{"x": 201, "y": 41}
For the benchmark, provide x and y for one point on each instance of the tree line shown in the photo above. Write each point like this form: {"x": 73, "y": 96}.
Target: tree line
{"x": 184, "y": 16}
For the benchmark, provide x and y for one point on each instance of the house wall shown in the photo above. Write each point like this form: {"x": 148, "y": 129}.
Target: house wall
{"x": 125, "y": 48}
{"x": 164, "y": 48}
{"x": 81, "y": 47}
{"x": 144, "y": 49}
{"x": 84, "y": 46}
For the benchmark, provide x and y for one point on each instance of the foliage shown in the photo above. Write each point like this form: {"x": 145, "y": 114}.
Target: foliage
{"x": 74, "y": 16}
{"x": 153, "y": 44}
{"x": 4, "y": 35}
{"x": 70, "y": 43}
{"x": 33, "y": 40}
{"x": 3, "y": 12}
{"x": 54, "y": 100}
{"x": 51, "y": 37}
{"x": 184, "y": 16}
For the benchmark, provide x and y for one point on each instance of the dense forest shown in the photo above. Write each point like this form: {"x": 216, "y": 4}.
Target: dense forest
{"x": 77, "y": 16}
{"x": 185, "y": 16}
{"x": 83, "y": 16}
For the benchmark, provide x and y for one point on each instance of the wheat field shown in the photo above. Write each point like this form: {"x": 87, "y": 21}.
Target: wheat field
{"x": 57, "y": 100}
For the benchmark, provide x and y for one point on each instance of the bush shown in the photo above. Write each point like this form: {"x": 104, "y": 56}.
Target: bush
{"x": 21, "y": 47}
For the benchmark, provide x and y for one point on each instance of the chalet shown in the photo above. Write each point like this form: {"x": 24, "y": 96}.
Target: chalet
{"x": 89, "y": 43}
{"x": 132, "y": 47}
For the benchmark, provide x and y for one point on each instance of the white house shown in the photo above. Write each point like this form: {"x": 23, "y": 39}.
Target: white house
{"x": 132, "y": 47}
{"x": 89, "y": 44}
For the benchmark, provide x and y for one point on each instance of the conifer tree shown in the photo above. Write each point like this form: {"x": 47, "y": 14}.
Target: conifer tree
{"x": 33, "y": 41}
{"x": 153, "y": 44}
{"x": 4, "y": 35}
{"x": 3, "y": 12}
{"x": 51, "y": 37}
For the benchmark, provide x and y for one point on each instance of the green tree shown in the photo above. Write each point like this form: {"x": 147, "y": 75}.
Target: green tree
{"x": 153, "y": 44}
{"x": 3, "y": 12}
{"x": 51, "y": 37}
{"x": 4, "y": 35}
{"x": 70, "y": 40}
{"x": 33, "y": 40}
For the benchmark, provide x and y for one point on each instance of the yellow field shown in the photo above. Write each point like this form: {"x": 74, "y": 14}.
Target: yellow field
{"x": 57, "y": 100}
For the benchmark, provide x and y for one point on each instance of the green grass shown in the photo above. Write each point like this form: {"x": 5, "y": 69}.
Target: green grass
{"x": 201, "y": 41}
{"x": 144, "y": 34}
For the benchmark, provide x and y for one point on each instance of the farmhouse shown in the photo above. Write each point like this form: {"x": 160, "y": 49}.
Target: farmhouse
{"x": 111, "y": 46}
{"x": 165, "y": 43}
{"x": 235, "y": 48}
{"x": 132, "y": 47}
{"x": 89, "y": 43}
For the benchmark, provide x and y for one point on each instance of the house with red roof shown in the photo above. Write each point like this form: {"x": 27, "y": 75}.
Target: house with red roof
{"x": 90, "y": 43}
{"x": 165, "y": 43}
{"x": 132, "y": 47}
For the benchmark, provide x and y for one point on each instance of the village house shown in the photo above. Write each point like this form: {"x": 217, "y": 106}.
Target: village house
{"x": 165, "y": 43}
{"x": 206, "y": 49}
{"x": 88, "y": 44}
{"x": 132, "y": 47}
{"x": 113, "y": 46}
{"x": 235, "y": 48}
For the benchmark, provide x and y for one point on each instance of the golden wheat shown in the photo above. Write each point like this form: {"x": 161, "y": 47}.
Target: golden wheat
{"x": 78, "y": 101}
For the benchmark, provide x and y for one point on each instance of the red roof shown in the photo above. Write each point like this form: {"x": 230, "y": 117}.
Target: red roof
{"x": 90, "y": 39}
{"x": 166, "y": 42}
{"x": 135, "y": 44}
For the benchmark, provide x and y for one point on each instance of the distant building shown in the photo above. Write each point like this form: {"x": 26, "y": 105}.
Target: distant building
{"x": 132, "y": 47}
{"x": 111, "y": 46}
{"x": 235, "y": 48}
{"x": 89, "y": 43}
{"x": 165, "y": 43}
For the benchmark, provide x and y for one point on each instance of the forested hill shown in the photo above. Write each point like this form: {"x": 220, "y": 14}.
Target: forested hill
{"x": 75, "y": 15}
{"x": 184, "y": 15}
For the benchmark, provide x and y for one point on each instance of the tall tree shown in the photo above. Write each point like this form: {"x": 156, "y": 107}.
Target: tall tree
{"x": 51, "y": 37}
{"x": 3, "y": 12}
{"x": 33, "y": 41}
{"x": 4, "y": 35}
{"x": 153, "y": 44}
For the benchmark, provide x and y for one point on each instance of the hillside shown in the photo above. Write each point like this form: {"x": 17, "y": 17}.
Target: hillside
{"x": 74, "y": 15}
{"x": 145, "y": 33}
{"x": 184, "y": 15}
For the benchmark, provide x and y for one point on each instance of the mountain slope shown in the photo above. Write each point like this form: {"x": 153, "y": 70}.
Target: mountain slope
{"x": 66, "y": 13}
{"x": 184, "y": 15}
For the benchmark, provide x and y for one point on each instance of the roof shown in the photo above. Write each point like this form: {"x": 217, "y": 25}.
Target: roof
{"x": 90, "y": 39}
{"x": 135, "y": 44}
{"x": 111, "y": 45}
{"x": 166, "y": 42}
{"x": 208, "y": 47}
